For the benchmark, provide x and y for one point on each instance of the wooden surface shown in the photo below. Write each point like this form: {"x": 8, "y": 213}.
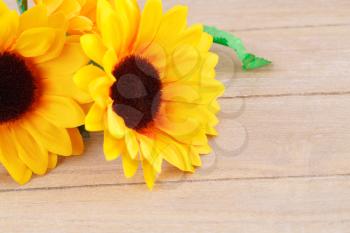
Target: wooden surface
{"x": 281, "y": 162}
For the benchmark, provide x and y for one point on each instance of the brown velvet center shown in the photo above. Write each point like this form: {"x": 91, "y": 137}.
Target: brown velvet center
{"x": 17, "y": 87}
{"x": 137, "y": 92}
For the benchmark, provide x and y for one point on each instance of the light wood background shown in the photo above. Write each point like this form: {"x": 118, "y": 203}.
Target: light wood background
{"x": 282, "y": 160}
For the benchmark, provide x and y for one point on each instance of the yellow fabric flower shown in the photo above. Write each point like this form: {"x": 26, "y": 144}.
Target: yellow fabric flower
{"x": 80, "y": 14}
{"x": 39, "y": 112}
{"x": 153, "y": 86}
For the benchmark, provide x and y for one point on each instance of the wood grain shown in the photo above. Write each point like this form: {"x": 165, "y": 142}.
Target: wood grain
{"x": 260, "y": 137}
{"x": 306, "y": 61}
{"x": 319, "y": 205}
{"x": 281, "y": 162}
{"x": 238, "y": 15}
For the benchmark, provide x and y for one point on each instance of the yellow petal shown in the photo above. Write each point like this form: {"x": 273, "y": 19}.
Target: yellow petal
{"x": 52, "y": 161}
{"x": 30, "y": 152}
{"x": 188, "y": 64}
{"x": 58, "y": 21}
{"x": 89, "y": 9}
{"x": 63, "y": 85}
{"x": 149, "y": 174}
{"x": 86, "y": 75}
{"x": 70, "y": 60}
{"x": 110, "y": 25}
{"x": 10, "y": 160}
{"x": 81, "y": 2}
{"x": 214, "y": 107}
{"x": 99, "y": 90}
{"x": 112, "y": 147}
{"x": 33, "y": 17}
{"x": 93, "y": 47}
{"x": 182, "y": 110}
{"x": 212, "y": 131}
{"x": 149, "y": 24}
{"x": 35, "y": 42}
{"x": 130, "y": 165}
{"x": 157, "y": 55}
{"x": 55, "y": 48}
{"x": 174, "y": 153}
{"x": 207, "y": 75}
{"x": 173, "y": 23}
{"x": 178, "y": 92}
{"x": 185, "y": 60}
{"x": 210, "y": 90}
{"x": 195, "y": 158}
{"x": 116, "y": 124}
{"x": 129, "y": 13}
{"x": 132, "y": 144}
{"x": 191, "y": 36}
{"x": 69, "y": 8}
{"x": 53, "y": 138}
{"x": 80, "y": 24}
{"x": 110, "y": 60}
{"x": 204, "y": 149}
{"x": 94, "y": 120}
{"x": 202, "y": 81}
{"x": 77, "y": 141}
{"x": 187, "y": 130}
{"x": 149, "y": 152}
{"x": 3, "y": 8}
{"x": 51, "y": 5}
{"x": 211, "y": 60}
{"x": 61, "y": 111}
{"x": 8, "y": 29}
{"x": 205, "y": 42}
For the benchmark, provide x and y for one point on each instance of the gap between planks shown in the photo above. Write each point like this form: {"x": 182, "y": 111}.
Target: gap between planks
{"x": 289, "y": 27}
{"x": 178, "y": 182}
{"x": 306, "y": 94}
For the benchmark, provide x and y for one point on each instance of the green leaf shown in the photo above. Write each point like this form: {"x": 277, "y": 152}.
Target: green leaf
{"x": 22, "y": 5}
{"x": 249, "y": 61}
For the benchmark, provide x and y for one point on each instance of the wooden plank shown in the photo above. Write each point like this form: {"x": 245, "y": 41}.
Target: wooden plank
{"x": 240, "y": 15}
{"x": 288, "y": 205}
{"x": 259, "y": 137}
{"x": 305, "y": 61}
{"x": 301, "y": 66}
{"x": 280, "y": 162}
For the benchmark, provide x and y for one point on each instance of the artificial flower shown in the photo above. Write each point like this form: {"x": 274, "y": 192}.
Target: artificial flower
{"x": 79, "y": 13}
{"x": 152, "y": 82}
{"x": 39, "y": 109}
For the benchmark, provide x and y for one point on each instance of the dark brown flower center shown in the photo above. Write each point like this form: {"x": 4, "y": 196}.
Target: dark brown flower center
{"x": 137, "y": 92}
{"x": 17, "y": 87}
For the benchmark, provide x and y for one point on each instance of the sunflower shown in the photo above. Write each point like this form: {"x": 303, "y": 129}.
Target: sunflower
{"x": 39, "y": 112}
{"x": 79, "y": 13}
{"x": 152, "y": 81}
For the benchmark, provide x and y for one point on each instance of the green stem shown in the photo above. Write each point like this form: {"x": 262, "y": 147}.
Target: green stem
{"x": 22, "y": 5}
{"x": 84, "y": 133}
{"x": 249, "y": 61}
